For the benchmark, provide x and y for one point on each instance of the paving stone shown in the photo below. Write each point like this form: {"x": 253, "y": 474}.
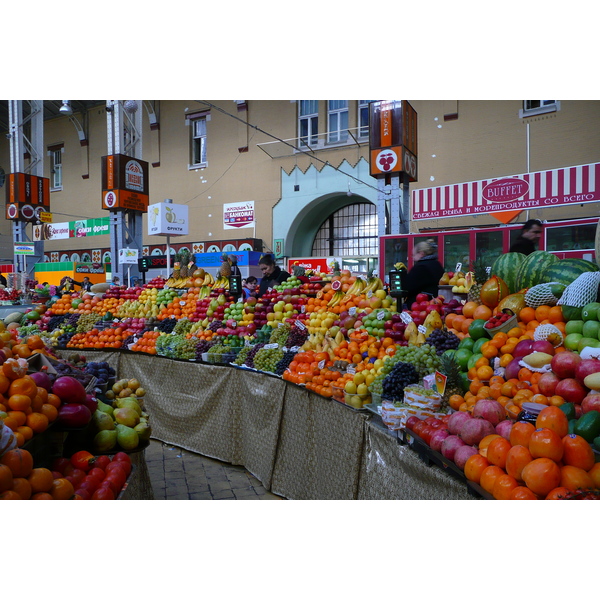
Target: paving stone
{"x": 223, "y": 495}
{"x": 201, "y": 496}
{"x": 244, "y": 493}
{"x": 218, "y": 486}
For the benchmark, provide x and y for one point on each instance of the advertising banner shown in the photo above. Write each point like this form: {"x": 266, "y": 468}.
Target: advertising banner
{"x": 165, "y": 218}
{"x": 128, "y": 256}
{"x": 542, "y": 189}
{"x": 71, "y": 229}
{"x": 238, "y": 214}
{"x": 124, "y": 183}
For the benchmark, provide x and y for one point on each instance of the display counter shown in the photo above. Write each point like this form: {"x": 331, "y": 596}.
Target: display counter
{"x": 298, "y": 444}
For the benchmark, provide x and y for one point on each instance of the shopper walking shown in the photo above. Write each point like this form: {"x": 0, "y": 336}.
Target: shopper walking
{"x": 426, "y": 273}
{"x": 527, "y": 242}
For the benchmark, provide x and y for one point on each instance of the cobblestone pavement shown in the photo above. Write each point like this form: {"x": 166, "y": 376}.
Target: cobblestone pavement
{"x": 178, "y": 474}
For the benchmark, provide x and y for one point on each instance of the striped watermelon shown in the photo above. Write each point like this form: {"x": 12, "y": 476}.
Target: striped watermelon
{"x": 567, "y": 270}
{"x": 506, "y": 267}
{"x": 534, "y": 268}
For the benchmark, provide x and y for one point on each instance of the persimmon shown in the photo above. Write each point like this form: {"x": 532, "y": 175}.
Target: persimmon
{"x": 22, "y": 486}
{"x": 520, "y": 433}
{"x": 41, "y": 480}
{"x": 488, "y": 477}
{"x": 41, "y": 496}
{"x": 594, "y": 473}
{"x": 545, "y": 443}
{"x": 574, "y": 478}
{"x": 503, "y": 487}
{"x": 577, "y": 452}
{"x": 19, "y": 402}
{"x": 541, "y": 475}
{"x": 6, "y": 478}
{"x": 62, "y": 489}
{"x": 497, "y": 451}
{"x": 475, "y": 466}
{"x": 38, "y": 422}
{"x": 558, "y": 493}
{"x": 10, "y": 495}
{"x": 516, "y": 458}
{"x": 522, "y": 493}
{"x": 553, "y": 418}
{"x": 19, "y": 461}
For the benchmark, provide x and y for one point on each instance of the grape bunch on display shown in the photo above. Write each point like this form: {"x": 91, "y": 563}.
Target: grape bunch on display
{"x": 442, "y": 340}
{"x": 402, "y": 375}
{"x": 285, "y": 361}
{"x": 266, "y": 359}
{"x": 253, "y": 352}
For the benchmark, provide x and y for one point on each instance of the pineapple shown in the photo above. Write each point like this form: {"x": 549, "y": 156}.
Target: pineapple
{"x": 481, "y": 276}
{"x": 177, "y": 266}
{"x": 449, "y": 367}
{"x": 299, "y": 271}
{"x": 184, "y": 259}
{"x": 225, "y": 269}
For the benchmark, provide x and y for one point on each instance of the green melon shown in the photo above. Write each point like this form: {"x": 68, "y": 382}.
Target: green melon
{"x": 506, "y": 267}
{"x": 533, "y": 270}
{"x": 14, "y": 317}
{"x": 567, "y": 270}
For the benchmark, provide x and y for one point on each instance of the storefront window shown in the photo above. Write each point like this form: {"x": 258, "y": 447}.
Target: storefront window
{"x": 488, "y": 245}
{"x": 456, "y": 250}
{"x": 396, "y": 250}
{"x": 570, "y": 237}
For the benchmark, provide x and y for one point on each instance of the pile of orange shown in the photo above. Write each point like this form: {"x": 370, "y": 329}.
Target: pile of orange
{"x": 539, "y": 461}
{"x": 26, "y": 408}
{"x": 19, "y": 480}
{"x": 100, "y": 338}
{"x": 147, "y": 343}
{"x": 106, "y": 305}
{"x": 178, "y": 310}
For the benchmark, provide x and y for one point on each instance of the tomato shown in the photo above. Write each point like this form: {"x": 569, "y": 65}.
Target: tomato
{"x": 89, "y": 484}
{"x": 125, "y": 467}
{"x": 83, "y": 460}
{"x": 59, "y": 464}
{"x": 121, "y": 456}
{"x": 115, "y": 482}
{"x": 83, "y": 493}
{"x": 78, "y": 476}
{"x": 103, "y": 493}
{"x": 97, "y": 473}
{"x": 102, "y": 461}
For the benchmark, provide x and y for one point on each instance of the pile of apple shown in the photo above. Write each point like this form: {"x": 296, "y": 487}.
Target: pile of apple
{"x": 424, "y": 304}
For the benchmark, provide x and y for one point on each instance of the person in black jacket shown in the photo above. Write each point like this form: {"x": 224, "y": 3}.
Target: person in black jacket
{"x": 272, "y": 274}
{"x": 426, "y": 273}
{"x": 526, "y": 243}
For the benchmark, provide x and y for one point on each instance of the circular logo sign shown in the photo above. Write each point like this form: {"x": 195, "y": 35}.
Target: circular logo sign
{"x": 110, "y": 199}
{"x": 386, "y": 160}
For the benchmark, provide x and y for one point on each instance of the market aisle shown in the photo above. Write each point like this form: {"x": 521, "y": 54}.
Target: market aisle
{"x": 178, "y": 474}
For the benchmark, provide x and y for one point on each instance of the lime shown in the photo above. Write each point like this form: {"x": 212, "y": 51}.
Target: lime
{"x": 477, "y": 329}
{"x": 572, "y": 341}
{"x": 477, "y": 345}
{"x": 466, "y": 342}
{"x": 464, "y": 381}
{"x": 474, "y": 358}
{"x": 462, "y": 357}
{"x": 575, "y": 326}
{"x": 590, "y": 311}
{"x": 450, "y": 352}
{"x": 590, "y": 329}
{"x": 587, "y": 342}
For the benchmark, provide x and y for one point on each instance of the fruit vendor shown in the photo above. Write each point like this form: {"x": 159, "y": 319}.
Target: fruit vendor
{"x": 426, "y": 273}
{"x": 527, "y": 242}
{"x": 272, "y": 274}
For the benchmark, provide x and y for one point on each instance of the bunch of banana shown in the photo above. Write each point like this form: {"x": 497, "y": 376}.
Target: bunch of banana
{"x": 204, "y": 292}
{"x": 336, "y": 298}
{"x": 209, "y": 280}
{"x": 356, "y": 289}
{"x": 373, "y": 285}
{"x": 222, "y": 282}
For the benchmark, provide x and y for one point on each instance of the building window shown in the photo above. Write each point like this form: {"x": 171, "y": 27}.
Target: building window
{"x": 198, "y": 141}
{"x": 55, "y": 154}
{"x": 538, "y": 107}
{"x": 363, "y": 118}
{"x": 308, "y": 122}
{"x": 350, "y": 231}
{"x": 337, "y": 121}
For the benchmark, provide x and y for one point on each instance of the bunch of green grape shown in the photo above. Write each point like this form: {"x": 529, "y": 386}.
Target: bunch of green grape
{"x": 216, "y": 352}
{"x": 280, "y": 334}
{"x": 27, "y": 330}
{"x": 242, "y": 355}
{"x": 176, "y": 346}
{"x": 87, "y": 322}
{"x": 266, "y": 359}
{"x": 183, "y": 326}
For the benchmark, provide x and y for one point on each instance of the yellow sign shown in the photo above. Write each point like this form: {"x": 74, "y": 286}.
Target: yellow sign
{"x": 45, "y": 217}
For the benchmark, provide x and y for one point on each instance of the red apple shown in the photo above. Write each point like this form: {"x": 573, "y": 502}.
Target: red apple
{"x": 548, "y": 382}
{"x": 422, "y": 297}
{"x": 591, "y": 402}
{"x": 543, "y": 346}
{"x": 565, "y": 363}
{"x": 586, "y": 367}
{"x": 570, "y": 389}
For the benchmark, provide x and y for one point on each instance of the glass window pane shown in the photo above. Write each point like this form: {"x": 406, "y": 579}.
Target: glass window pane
{"x": 456, "y": 250}
{"x": 570, "y": 237}
{"x": 488, "y": 244}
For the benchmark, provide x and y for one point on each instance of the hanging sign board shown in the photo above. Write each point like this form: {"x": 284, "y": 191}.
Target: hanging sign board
{"x": 124, "y": 183}
{"x": 165, "y": 218}
{"x": 238, "y": 214}
{"x": 128, "y": 256}
{"x": 27, "y": 197}
{"x": 24, "y": 249}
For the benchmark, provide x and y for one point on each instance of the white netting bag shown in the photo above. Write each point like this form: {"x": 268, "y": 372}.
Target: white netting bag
{"x": 582, "y": 291}
{"x": 542, "y": 294}
{"x": 548, "y": 332}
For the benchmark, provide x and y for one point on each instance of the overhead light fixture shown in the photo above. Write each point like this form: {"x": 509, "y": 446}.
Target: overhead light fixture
{"x": 66, "y": 109}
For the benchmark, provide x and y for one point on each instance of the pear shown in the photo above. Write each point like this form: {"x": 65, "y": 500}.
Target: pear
{"x": 102, "y": 420}
{"x": 105, "y": 408}
{"x": 105, "y": 440}
{"x": 129, "y": 402}
{"x": 126, "y": 416}
{"x": 143, "y": 430}
{"x": 127, "y": 437}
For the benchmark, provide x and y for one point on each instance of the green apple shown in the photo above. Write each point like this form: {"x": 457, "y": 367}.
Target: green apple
{"x": 572, "y": 341}
{"x": 575, "y": 326}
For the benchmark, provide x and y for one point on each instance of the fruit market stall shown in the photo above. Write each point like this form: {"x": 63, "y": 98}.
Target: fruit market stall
{"x": 327, "y": 389}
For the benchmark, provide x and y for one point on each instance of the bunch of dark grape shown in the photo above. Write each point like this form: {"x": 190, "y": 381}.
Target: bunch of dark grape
{"x": 400, "y": 376}
{"x": 253, "y": 352}
{"x": 240, "y": 359}
{"x": 102, "y": 371}
{"x": 64, "y": 339}
{"x": 297, "y": 336}
{"x": 167, "y": 325}
{"x": 216, "y": 324}
{"x": 284, "y": 363}
{"x": 203, "y": 346}
{"x": 129, "y": 340}
{"x": 442, "y": 340}
{"x": 72, "y": 319}
{"x": 55, "y": 321}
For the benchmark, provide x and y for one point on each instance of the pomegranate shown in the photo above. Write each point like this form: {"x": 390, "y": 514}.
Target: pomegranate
{"x": 586, "y": 367}
{"x": 41, "y": 380}
{"x": 74, "y": 415}
{"x": 548, "y": 382}
{"x": 456, "y": 420}
{"x": 474, "y": 430}
{"x": 503, "y": 428}
{"x": 462, "y": 454}
{"x": 450, "y": 445}
{"x": 591, "y": 402}
{"x": 571, "y": 390}
{"x": 490, "y": 410}
{"x": 565, "y": 363}
{"x": 437, "y": 438}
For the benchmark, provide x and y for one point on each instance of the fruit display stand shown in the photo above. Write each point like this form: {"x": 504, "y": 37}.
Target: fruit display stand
{"x": 299, "y": 444}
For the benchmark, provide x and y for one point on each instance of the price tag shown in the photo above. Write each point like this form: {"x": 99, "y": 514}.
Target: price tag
{"x": 422, "y": 329}
{"x": 381, "y": 315}
{"x": 321, "y": 364}
{"x": 280, "y": 325}
{"x": 352, "y": 311}
{"x": 369, "y": 294}
{"x": 182, "y": 303}
{"x": 303, "y": 309}
{"x": 295, "y": 349}
{"x": 351, "y": 369}
{"x": 247, "y": 343}
{"x": 458, "y": 266}
{"x": 488, "y": 270}
{"x": 300, "y": 325}
{"x": 269, "y": 289}
{"x": 284, "y": 349}
{"x": 270, "y": 346}
{"x": 405, "y": 317}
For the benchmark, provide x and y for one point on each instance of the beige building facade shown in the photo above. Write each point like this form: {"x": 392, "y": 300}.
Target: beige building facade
{"x": 303, "y": 162}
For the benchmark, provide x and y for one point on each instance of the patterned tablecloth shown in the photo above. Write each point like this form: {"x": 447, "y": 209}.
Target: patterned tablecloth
{"x": 298, "y": 444}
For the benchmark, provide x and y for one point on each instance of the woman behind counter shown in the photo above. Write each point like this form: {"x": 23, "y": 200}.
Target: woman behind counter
{"x": 426, "y": 273}
{"x": 272, "y": 274}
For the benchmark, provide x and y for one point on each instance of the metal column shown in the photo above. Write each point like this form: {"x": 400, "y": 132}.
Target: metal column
{"x": 124, "y": 135}
{"x": 388, "y": 203}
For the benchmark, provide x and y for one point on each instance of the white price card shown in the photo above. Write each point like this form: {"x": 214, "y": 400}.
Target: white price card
{"x": 458, "y": 266}
{"x": 352, "y": 311}
{"x": 405, "y": 317}
{"x": 421, "y": 329}
{"x": 321, "y": 364}
{"x": 270, "y": 346}
{"x": 381, "y": 315}
{"x": 300, "y": 325}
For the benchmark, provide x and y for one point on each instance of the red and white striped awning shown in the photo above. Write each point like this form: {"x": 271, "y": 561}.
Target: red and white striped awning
{"x": 543, "y": 189}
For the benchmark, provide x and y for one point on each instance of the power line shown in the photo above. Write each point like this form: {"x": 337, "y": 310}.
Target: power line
{"x": 294, "y": 147}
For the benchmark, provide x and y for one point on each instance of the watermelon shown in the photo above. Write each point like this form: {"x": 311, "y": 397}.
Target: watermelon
{"x": 506, "y": 267}
{"x": 534, "y": 268}
{"x": 567, "y": 270}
